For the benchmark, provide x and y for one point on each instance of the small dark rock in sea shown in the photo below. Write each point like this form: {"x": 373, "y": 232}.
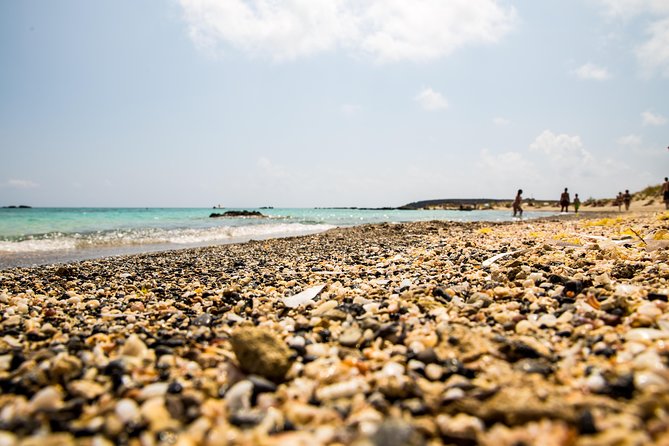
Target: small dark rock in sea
{"x": 237, "y": 214}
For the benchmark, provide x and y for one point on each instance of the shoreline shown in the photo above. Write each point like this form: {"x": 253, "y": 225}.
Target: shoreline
{"x": 85, "y": 248}
{"x": 41, "y": 258}
{"x": 430, "y": 332}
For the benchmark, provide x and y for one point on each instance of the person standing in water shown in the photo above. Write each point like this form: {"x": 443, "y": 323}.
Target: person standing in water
{"x": 577, "y": 203}
{"x": 564, "y": 201}
{"x": 516, "y": 204}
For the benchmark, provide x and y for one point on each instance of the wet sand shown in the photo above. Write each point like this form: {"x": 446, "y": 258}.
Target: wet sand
{"x": 550, "y": 331}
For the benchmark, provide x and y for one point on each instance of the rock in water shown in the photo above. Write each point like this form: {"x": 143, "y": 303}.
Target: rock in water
{"x": 261, "y": 352}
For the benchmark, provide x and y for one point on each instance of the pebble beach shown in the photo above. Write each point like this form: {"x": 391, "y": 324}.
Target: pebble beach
{"x": 540, "y": 332}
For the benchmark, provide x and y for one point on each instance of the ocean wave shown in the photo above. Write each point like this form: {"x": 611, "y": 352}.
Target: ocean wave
{"x": 152, "y": 236}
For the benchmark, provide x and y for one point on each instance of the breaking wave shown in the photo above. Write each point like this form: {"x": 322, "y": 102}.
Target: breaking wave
{"x": 57, "y": 241}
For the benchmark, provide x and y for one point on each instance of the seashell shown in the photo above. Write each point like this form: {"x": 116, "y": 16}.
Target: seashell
{"x": 302, "y": 298}
{"x": 324, "y": 307}
{"x": 47, "y": 399}
{"x": 343, "y": 389}
{"x": 153, "y": 390}
{"x": 648, "y": 380}
{"x": 134, "y": 347}
{"x": 85, "y": 389}
{"x": 547, "y": 320}
{"x": 646, "y": 334}
{"x": 648, "y": 360}
{"x": 127, "y": 411}
{"x": 595, "y": 383}
{"x": 392, "y": 369}
{"x": 434, "y": 372}
{"x": 156, "y": 414}
{"x": 649, "y": 309}
{"x": 238, "y": 397}
{"x": 462, "y": 426}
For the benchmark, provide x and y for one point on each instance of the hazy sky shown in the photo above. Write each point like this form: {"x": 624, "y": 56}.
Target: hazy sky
{"x": 329, "y": 102}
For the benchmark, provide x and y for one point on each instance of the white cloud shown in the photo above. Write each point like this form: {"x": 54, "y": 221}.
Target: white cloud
{"x": 431, "y": 100}
{"x": 566, "y": 153}
{"x": 21, "y": 184}
{"x": 630, "y": 140}
{"x": 388, "y": 30}
{"x": 591, "y": 71}
{"x": 270, "y": 170}
{"x": 650, "y": 118}
{"x": 500, "y": 122}
{"x": 507, "y": 164}
{"x": 350, "y": 109}
{"x": 627, "y": 9}
{"x": 654, "y": 53}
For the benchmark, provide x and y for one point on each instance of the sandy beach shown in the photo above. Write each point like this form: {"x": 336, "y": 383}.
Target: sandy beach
{"x": 643, "y": 205}
{"x": 547, "y": 332}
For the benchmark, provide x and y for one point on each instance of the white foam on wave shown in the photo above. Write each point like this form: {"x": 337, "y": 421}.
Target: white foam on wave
{"x": 38, "y": 245}
{"x": 197, "y": 236}
{"x": 154, "y": 236}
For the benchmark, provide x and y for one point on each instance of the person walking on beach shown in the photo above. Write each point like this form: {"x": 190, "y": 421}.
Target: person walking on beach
{"x": 516, "y": 204}
{"x": 619, "y": 201}
{"x": 627, "y": 199}
{"x": 665, "y": 192}
{"x": 577, "y": 203}
{"x": 564, "y": 201}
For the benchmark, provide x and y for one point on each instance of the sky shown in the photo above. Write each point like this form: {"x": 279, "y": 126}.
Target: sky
{"x": 300, "y": 103}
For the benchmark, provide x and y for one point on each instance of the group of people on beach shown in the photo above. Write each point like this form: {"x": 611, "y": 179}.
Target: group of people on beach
{"x": 565, "y": 200}
{"x": 625, "y": 199}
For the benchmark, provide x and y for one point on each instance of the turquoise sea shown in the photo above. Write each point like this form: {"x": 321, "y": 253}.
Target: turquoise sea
{"x": 50, "y": 235}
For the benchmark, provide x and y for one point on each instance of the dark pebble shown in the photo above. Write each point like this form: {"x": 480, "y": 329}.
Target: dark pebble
{"x": 393, "y": 432}
{"x": 534, "y": 366}
{"x": 657, "y": 296}
{"x": 607, "y": 351}
{"x": 174, "y": 387}
{"x": 586, "y": 423}
{"x": 555, "y": 279}
{"x": 246, "y": 419}
{"x": 517, "y": 350}
{"x": 575, "y": 286}
{"x": 620, "y": 386}
{"x": 260, "y": 385}
{"x": 427, "y": 356}
{"x": 203, "y": 320}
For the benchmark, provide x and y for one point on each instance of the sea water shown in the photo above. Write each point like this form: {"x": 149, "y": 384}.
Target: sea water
{"x": 49, "y": 235}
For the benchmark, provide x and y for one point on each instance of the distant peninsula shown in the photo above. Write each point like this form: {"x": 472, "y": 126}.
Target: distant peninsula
{"x": 22, "y": 206}
{"x": 457, "y": 204}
